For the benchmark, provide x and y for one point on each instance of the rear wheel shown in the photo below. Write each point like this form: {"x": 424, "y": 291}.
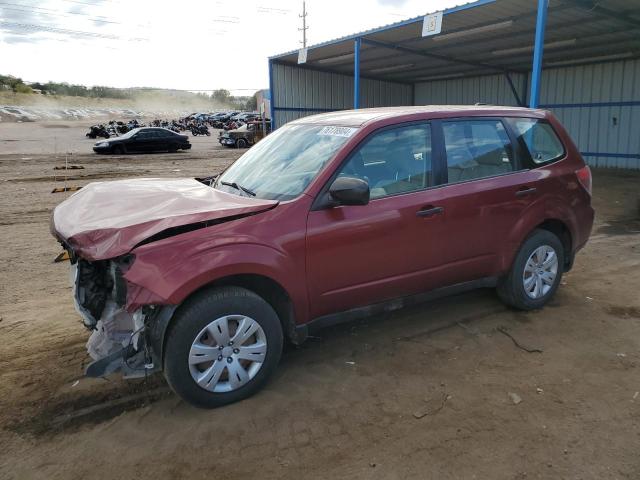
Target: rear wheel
{"x": 536, "y": 272}
{"x": 223, "y": 346}
{"x": 242, "y": 143}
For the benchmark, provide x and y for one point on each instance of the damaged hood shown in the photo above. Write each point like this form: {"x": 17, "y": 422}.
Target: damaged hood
{"x": 108, "y": 219}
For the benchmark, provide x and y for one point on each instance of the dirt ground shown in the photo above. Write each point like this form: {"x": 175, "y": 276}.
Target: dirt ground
{"x": 421, "y": 393}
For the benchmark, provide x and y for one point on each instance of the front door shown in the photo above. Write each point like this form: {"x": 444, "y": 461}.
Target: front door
{"x": 359, "y": 255}
{"x": 143, "y": 141}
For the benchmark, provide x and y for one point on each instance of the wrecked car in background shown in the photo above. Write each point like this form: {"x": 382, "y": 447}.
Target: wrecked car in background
{"x": 331, "y": 217}
{"x": 246, "y": 135}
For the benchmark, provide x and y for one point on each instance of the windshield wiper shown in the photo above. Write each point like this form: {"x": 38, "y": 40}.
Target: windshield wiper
{"x": 239, "y": 187}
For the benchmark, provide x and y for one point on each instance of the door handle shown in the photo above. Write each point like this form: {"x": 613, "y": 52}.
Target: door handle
{"x": 429, "y": 211}
{"x": 526, "y": 191}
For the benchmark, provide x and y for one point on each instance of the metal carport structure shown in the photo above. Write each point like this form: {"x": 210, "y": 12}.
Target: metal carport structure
{"x": 579, "y": 58}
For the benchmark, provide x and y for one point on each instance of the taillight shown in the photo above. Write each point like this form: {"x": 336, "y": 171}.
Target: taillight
{"x": 584, "y": 177}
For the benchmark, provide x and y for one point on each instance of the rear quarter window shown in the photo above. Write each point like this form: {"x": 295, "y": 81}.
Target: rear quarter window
{"x": 540, "y": 139}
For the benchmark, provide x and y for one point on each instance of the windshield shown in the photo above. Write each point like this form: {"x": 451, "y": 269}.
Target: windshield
{"x": 282, "y": 166}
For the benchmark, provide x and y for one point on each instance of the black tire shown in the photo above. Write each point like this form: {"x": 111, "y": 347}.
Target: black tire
{"x": 511, "y": 289}
{"x": 194, "y": 315}
{"x": 118, "y": 150}
{"x": 173, "y": 148}
{"x": 242, "y": 143}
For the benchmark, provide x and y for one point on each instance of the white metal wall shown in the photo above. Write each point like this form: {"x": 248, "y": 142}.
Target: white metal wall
{"x": 599, "y": 104}
{"x": 491, "y": 89}
{"x": 299, "y": 92}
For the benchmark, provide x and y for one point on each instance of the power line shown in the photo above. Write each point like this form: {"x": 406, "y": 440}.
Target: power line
{"x": 86, "y": 3}
{"x": 49, "y": 12}
{"x": 279, "y": 11}
{"x": 46, "y": 12}
{"x": 227, "y": 19}
{"x": 65, "y": 31}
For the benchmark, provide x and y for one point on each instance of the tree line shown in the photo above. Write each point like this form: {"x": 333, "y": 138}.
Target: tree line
{"x": 220, "y": 97}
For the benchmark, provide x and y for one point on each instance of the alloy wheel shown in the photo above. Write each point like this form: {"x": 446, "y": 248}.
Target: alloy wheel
{"x": 227, "y": 353}
{"x": 540, "y": 272}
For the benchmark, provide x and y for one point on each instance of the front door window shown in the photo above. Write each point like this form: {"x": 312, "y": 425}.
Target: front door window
{"x": 394, "y": 161}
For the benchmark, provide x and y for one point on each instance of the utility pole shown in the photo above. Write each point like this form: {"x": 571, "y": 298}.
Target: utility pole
{"x": 304, "y": 24}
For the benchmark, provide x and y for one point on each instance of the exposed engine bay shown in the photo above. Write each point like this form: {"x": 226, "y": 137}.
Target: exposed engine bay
{"x": 117, "y": 339}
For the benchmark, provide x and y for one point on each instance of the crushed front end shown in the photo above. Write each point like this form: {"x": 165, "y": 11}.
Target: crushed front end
{"x": 125, "y": 302}
{"x": 120, "y": 339}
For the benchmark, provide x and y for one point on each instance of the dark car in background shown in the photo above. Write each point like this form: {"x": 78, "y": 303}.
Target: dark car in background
{"x": 144, "y": 140}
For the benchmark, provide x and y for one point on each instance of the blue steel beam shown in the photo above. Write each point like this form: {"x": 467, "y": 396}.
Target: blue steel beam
{"x": 272, "y": 100}
{"x": 514, "y": 90}
{"x": 356, "y": 73}
{"x": 538, "y": 50}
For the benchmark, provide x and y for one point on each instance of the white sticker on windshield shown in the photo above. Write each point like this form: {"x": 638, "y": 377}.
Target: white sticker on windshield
{"x": 338, "y": 131}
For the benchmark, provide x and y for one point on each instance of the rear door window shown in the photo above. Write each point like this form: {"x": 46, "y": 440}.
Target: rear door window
{"x": 542, "y": 142}
{"x": 476, "y": 149}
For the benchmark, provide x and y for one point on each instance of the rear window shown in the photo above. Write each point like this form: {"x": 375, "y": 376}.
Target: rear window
{"x": 542, "y": 142}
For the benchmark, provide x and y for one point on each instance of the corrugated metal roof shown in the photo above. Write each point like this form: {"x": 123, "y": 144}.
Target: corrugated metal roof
{"x": 483, "y": 37}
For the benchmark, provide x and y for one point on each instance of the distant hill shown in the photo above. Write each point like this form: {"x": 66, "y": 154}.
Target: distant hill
{"x": 14, "y": 92}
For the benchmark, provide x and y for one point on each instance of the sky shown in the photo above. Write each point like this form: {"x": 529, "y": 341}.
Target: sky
{"x": 183, "y": 44}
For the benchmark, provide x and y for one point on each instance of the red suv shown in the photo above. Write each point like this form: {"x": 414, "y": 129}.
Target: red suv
{"x": 329, "y": 218}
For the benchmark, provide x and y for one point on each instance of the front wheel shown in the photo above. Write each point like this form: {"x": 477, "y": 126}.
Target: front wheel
{"x": 536, "y": 272}
{"x": 222, "y": 347}
{"x": 118, "y": 150}
{"x": 242, "y": 143}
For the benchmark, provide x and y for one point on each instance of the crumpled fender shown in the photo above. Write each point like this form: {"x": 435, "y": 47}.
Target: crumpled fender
{"x": 167, "y": 272}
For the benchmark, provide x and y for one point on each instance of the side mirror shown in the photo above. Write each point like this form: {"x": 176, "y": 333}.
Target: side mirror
{"x": 349, "y": 191}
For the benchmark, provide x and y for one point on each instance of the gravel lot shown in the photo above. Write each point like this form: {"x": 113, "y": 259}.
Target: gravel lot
{"x": 429, "y": 392}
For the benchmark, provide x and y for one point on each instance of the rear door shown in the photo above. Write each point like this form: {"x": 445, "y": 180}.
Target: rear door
{"x": 162, "y": 139}
{"x": 485, "y": 192}
{"x": 360, "y": 255}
